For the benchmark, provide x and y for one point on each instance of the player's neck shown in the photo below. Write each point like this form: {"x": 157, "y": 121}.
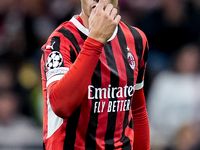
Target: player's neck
{"x": 84, "y": 18}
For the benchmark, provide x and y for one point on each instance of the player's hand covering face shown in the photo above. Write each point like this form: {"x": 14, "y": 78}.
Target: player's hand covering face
{"x": 88, "y": 5}
{"x": 103, "y": 21}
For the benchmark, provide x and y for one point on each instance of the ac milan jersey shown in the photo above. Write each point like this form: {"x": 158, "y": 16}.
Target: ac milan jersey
{"x": 104, "y": 118}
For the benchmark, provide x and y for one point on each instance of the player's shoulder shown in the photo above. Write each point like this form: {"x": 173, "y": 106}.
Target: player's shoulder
{"x": 123, "y": 24}
{"x": 59, "y": 33}
{"x": 133, "y": 29}
{"x": 68, "y": 25}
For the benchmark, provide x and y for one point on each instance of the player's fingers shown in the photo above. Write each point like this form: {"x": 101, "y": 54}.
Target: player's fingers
{"x": 101, "y": 4}
{"x": 117, "y": 19}
{"x": 109, "y": 8}
{"x": 113, "y": 13}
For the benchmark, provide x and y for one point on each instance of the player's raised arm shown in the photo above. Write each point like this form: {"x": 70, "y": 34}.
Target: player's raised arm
{"x": 102, "y": 24}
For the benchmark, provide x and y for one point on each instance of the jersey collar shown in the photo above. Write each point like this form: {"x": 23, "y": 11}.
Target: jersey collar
{"x": 86, "y": 31}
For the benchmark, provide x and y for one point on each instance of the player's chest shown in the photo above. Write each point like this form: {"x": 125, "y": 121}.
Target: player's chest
{"x": 118, "y": 63}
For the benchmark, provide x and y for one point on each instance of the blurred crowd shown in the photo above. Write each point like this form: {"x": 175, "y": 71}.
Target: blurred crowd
{"x": 172, "y": 80}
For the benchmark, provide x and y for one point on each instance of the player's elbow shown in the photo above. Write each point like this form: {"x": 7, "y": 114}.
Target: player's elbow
{"x": 58, "y": 106}
{"x": 56, "y": 101}
{"x": 60, "y": 112}
{"x": 62, "y": 102}
{"x": 140, "y": 111}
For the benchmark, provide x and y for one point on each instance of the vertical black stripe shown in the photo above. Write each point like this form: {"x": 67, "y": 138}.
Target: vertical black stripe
{"x": 112, "y": 116}
{"x": 44, "y": 67}
{"x": 43, "y": 146}
{"x": 90, "y": 141}
{"x": 68, "y": 34}
{"x": 83, "y": 36}
{"x": 140, "y": 75}
{"x": 55, "y": 42}
{"x": 72, "y": 55}
{"x": 142, "y": 70}
{"x": 131, "y": 123}
{"x": 138, "y": 43}
{"x": 72, "y": 124}
{"x": 146, "y": 53}
{"x": 130, "y": 80}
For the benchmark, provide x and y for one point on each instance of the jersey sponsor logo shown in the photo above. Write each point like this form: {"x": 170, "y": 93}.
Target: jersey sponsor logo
{"x": 131, "y": 59}
{"x": 110, "y": 92}
{"x": 54, "y": 60}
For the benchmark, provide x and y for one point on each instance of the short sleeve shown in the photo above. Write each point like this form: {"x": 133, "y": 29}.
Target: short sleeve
{"x": 142, "y": 68}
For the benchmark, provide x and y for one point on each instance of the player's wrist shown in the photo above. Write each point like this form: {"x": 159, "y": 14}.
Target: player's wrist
{"x": 97, "y": 38}
{"x": 94, "y": 44}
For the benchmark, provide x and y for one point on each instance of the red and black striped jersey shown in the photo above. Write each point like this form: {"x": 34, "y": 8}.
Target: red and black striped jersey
{"x": 103, "y": 121}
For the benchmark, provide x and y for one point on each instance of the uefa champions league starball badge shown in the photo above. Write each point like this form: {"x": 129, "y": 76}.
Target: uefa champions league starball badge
{"x": 54, "y": 60}
{"x": 131, "y": 59}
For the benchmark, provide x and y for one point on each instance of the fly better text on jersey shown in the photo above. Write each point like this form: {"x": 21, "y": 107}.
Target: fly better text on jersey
{"x": 111, "y": 106}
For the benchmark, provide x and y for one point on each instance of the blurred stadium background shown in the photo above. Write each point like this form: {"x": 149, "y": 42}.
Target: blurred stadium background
{"x": 172, "y": 80}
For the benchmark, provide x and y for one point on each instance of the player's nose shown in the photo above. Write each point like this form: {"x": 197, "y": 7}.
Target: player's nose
{"x": 97, "y": 1}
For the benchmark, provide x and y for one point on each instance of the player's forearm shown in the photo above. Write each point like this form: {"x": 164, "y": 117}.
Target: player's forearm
{"x": 140, "y": 121}
{"x": 141, "y": 130}
{"x": 67, "y": 94}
